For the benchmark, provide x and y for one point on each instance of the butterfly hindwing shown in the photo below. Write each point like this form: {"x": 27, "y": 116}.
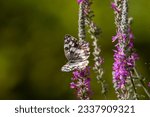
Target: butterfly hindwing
{"x": 72, "y": 66}
{"x": 84, "y": 50}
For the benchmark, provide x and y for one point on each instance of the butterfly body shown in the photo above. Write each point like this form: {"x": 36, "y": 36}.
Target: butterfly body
{"x": 76, "y": 52}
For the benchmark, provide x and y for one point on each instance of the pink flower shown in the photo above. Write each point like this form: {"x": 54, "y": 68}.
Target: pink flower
{"x": 149, "y": 84}
{"x": 113, "y": 5}
{"x": 81, "y": 83}
{"x": 79, "y": 1}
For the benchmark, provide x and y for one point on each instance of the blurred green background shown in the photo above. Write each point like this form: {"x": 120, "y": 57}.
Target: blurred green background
{"x": 31, "y": 46}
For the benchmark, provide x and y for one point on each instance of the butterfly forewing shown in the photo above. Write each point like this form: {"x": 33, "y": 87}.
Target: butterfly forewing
{"x": 70, "y": 46}
{"x": 77, "y": 53}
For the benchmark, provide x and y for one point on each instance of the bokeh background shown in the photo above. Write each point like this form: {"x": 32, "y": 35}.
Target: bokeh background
{"x": 31, "y": 46}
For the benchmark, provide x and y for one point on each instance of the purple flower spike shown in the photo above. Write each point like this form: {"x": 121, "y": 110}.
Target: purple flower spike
{"x": 81, "y": 83}
{"x": 119, "y": 67}
{"x": 124, "y": 58}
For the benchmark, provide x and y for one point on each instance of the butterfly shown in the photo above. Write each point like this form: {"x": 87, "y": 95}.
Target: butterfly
{"x": 77, "y": 52}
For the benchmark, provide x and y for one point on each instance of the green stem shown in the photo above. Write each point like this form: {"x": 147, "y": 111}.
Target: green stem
{"x": 142, "y": 83}
{"x": 133, "y": 85}
{"x": 81, "y": 22}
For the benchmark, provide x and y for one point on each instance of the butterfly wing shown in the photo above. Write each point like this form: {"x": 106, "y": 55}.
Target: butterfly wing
{"x": 70, "y": 46}
{"x": 76, "y": 50}
{"x": 72, "y": 66}
{"x": 83, "y": 50}
{"x": 77, "y": 53}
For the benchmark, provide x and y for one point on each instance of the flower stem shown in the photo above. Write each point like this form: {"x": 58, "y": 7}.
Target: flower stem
{"x": 95, "y": 32}
{"x": 81, "y": 22}
{"x": 134, "y": 88}
{"x": 142, "y": 82}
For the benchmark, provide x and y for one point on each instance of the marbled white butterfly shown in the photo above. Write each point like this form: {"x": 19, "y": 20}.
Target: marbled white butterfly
{"x": 77, "y": 53}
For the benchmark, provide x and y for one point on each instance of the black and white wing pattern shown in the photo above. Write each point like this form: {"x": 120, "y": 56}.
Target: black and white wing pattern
{"x": 77, "y": 53}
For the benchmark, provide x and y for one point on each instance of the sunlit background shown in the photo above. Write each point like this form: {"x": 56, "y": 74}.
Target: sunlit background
{"x": 31, "y": 46}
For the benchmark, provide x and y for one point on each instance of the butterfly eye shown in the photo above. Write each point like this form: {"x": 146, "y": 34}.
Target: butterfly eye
{"x": 66, "y": 48}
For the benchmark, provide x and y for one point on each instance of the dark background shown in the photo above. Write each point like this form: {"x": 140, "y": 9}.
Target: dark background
{"x": 31, "y": 46}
